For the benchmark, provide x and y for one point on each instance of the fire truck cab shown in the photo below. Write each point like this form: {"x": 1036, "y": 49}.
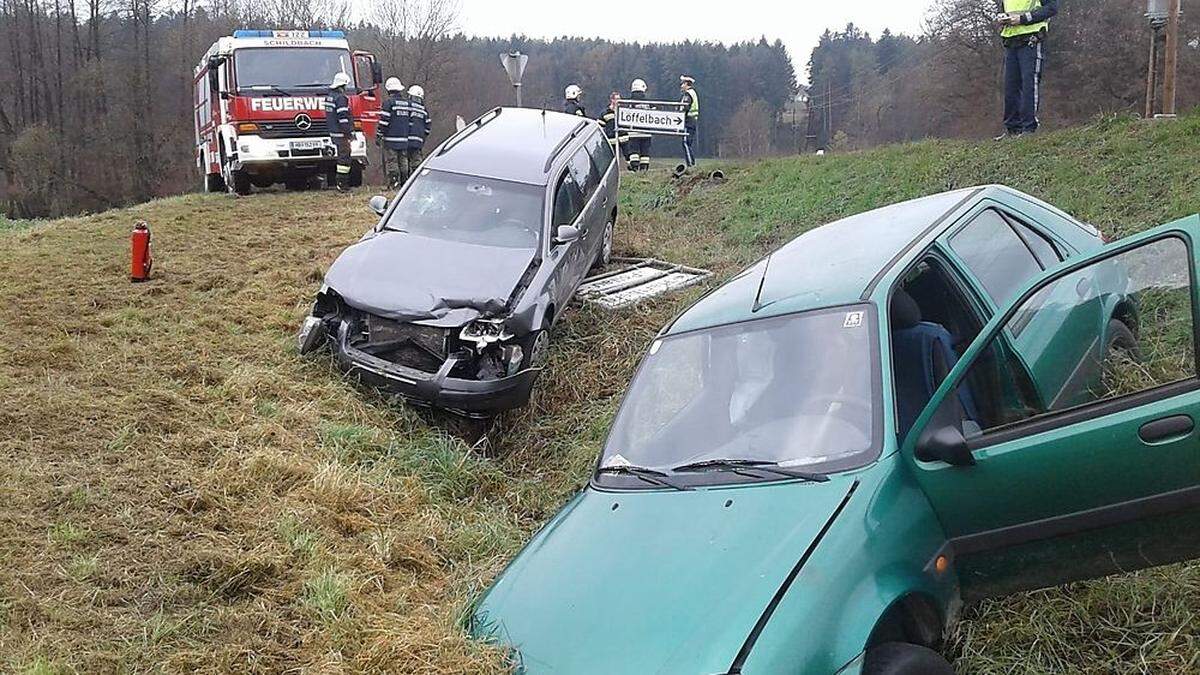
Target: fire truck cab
{"x": 259, "y": 108}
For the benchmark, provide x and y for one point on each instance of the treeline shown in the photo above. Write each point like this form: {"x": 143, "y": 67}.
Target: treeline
{"x": 948, "y": 81}
{"x": 95, "y": 95}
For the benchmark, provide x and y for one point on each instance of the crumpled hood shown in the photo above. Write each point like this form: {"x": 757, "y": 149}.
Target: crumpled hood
{"x": 654, "y": 582}
{"x": 407, "y": 277}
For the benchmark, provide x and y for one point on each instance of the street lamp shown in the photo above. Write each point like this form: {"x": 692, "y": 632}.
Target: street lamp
{"x": 514, "y": 64}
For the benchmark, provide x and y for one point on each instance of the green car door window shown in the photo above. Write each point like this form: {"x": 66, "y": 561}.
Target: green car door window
{"x": 996, "y": 255}
{"x": 1118, "y": 327}
{"x": 800, "y": 390}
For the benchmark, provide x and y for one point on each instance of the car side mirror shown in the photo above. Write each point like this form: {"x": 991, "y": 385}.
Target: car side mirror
{"x": 377, "y": 72}
{"x": 378, "y": 204}
{"x": 945, "y": 444}
{"x": 566, "y": 234}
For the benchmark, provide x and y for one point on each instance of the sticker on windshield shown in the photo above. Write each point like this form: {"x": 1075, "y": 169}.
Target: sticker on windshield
{"x": 616, "y": 460}
{"x": 654, "y": 347}
{"x": 853, "y": 319}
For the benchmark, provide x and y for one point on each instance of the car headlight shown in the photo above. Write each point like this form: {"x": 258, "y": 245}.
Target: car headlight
{"x": 484, "y": 332}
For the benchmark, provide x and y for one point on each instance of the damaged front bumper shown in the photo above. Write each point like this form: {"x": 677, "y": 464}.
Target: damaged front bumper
{"x": 445, "y": 388}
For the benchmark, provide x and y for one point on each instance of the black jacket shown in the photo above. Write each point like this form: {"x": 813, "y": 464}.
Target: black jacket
{"x": 337, "y": 115}
{"x": 419, "y": 123}
{"x": 572, "y": 107}
{"x": 394, "y": 122}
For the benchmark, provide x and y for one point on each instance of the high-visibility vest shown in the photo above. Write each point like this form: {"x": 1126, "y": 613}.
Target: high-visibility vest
{"x": 693, "y": 109}
{"x": 1023, "y": 7}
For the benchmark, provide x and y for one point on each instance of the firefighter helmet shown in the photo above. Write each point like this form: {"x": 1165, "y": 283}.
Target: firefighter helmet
{"x": 638, "y": 85}
{"x": 393, "y": 84}
{"x": 416, "y": 90}
{"x": 340, "y": 80}
{"x": 573, "y": 92}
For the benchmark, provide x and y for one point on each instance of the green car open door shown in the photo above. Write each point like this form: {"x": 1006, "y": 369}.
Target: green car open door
{"x": 1087, "y": 454}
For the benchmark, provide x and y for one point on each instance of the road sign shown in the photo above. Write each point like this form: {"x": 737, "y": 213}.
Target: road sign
{"x": 514, "y": 64}
{"x": 652, "y": 117}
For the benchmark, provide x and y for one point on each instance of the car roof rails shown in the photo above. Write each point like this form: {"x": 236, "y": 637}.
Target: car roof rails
{"x": 563, "y": 144}
{"x": 469, "y": 129}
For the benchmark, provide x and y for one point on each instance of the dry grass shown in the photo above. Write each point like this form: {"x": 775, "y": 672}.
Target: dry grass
{"x": 179, "y": 491}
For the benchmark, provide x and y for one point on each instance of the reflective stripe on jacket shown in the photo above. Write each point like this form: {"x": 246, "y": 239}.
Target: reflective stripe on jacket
{"x": 419, "y": 123}
{"x": 394, "y": 122}
{"x": 337, "y": 115}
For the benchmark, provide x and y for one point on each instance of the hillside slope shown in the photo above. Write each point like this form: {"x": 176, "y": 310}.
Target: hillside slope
{"x": 180, "y": 491}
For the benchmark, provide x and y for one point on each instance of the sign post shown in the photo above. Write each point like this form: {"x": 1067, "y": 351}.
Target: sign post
{"x": 514, "y": 63}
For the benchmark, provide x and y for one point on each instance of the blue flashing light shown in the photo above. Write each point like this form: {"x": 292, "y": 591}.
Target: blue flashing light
{"x": 258, "y": 33}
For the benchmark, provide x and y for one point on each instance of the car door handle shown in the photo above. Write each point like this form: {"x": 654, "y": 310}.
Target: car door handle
{"x": 1167, "y": 428}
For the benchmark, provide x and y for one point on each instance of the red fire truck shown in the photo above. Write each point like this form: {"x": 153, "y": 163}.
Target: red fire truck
{"x": 259, "y": 100}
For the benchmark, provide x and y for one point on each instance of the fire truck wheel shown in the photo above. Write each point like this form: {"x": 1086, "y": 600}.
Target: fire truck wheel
{"x": 214, "y": 183}
{"x": 240, "y": 182}
{"x": 356, "y": 175}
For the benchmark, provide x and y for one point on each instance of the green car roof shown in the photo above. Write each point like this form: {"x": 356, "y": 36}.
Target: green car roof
{"x": 824, "y": 267}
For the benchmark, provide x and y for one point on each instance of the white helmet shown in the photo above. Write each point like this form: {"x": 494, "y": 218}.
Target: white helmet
{"x": 638, "y": 85}
{"x": 416, "y": 90}
{"x": 573, "y": 92}
{"x": 393, "y": 84}
{"x": 340, "y": 80}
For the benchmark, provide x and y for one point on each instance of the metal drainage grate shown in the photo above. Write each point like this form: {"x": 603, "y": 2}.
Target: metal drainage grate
{"x": 639, "y": 279}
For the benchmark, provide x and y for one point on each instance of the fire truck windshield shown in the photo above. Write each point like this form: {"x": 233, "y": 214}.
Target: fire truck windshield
{"x": 287, "y": 68}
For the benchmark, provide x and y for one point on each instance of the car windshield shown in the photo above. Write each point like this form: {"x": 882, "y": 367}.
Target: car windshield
{"x": 799, "y": 390}
{"x": 290, "y": 67}
{"x": 469, "y": 209}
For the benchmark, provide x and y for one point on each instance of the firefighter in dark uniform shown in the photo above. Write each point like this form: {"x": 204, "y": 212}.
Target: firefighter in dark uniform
{"x": 609, "y": 121}
{"x": 341, "y": 127}
{"x": 573, "y": 106}
{"x": 393, "y": 130}
{"x": 639, "y": 143}
{"x": 691, "y": 103}
{"x": 419, "y": 126}
{"x": 1023, "y": 28}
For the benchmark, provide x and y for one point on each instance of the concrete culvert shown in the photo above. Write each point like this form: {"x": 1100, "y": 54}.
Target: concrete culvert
{"x": 717, "y": 175}
{"x": 680, "y": 169}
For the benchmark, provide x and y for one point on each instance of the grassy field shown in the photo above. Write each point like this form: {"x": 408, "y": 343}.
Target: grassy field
{"x": 179, "y": 491}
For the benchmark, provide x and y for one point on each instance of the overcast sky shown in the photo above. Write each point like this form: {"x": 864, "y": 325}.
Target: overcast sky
{"x": 799, "y": 23}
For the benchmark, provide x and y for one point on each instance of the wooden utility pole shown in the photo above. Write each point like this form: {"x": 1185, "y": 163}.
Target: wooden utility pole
{"x": 1171, "y": 59}
{"x": 1152, "y": 74}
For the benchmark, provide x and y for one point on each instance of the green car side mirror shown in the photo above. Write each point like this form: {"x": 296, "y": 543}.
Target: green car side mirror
{"x": 944, "y": 444}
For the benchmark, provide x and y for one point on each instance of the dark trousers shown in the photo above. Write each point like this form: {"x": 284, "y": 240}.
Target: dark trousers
{"x": 415, "y": 157}
{"x": 398, "y": 172}
{"x": 1022, "y": 86}
{"x": 689, "y": 143}
{"x": 344, "y": 161}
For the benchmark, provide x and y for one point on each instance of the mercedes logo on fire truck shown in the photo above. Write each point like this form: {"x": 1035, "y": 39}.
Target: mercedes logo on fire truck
{"x": 303, "y": 122}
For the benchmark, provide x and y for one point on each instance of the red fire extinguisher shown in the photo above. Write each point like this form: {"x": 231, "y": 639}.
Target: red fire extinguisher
{"x": 140, "y": 260}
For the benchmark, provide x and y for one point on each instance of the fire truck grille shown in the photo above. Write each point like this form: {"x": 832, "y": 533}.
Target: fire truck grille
{"x": 288, "y": 129}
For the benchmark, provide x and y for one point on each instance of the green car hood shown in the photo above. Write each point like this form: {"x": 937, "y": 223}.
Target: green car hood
{"x": 654, "y": 582}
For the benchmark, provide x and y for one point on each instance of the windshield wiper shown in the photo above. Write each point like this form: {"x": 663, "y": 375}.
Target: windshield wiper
{"x": 740, "y": 465}
{"x": 267, "y": 87}
{"x": 648, "y": 475}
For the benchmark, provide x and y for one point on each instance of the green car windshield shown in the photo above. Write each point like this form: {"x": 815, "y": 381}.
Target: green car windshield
{"x": 799, "y": 390}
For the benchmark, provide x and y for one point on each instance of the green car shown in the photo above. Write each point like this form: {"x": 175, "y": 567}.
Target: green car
{"x": 818, "y": 463}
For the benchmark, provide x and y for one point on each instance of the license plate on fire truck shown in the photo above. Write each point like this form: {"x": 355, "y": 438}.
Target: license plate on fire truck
{"x": 314, "y": 144}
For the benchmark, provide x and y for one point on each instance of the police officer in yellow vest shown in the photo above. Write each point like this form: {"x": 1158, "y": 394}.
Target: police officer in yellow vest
{"x": 691, "y": 103}
{"x": 1023, "y": 28}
